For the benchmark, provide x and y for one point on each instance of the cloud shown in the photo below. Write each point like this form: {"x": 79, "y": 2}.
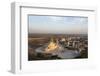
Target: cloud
{"x": 56, "y": 18}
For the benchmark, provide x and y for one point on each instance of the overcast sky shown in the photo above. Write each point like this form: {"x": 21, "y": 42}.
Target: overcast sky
{"x": 58, "y": 24}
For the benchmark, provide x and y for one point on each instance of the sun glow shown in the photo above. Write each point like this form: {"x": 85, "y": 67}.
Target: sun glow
{"x": 51, "y": 46}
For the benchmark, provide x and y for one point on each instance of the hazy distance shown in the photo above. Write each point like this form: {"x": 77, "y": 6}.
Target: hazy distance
{"x": 57, "y": 24}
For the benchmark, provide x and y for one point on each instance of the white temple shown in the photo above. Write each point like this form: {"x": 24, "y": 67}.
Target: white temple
{"x": 53, "y": 46}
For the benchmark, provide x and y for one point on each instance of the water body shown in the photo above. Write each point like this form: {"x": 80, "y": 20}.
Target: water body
{"x": 68, "y": 54}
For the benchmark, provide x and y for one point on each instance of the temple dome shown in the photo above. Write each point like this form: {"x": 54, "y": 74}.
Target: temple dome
{"x": 53, "y": 46}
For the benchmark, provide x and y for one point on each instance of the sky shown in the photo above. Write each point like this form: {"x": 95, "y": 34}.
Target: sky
{"x": 57, "y": 24}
